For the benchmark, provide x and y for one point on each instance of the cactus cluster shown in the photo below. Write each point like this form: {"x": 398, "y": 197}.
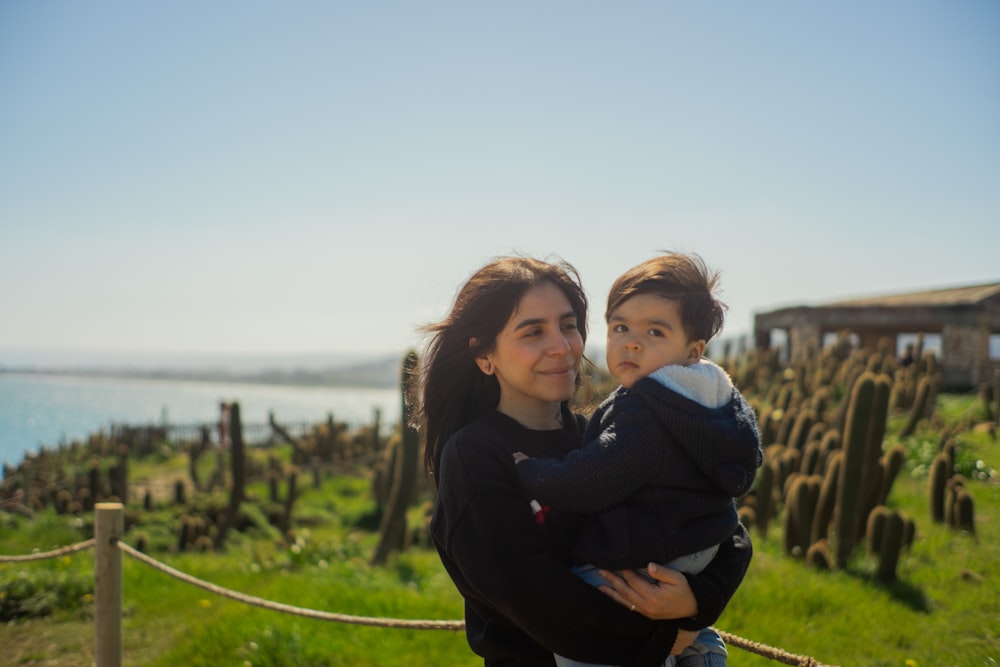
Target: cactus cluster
{"x": 948, "y": 499}
{"x": 212, "y": 499}
{"x": 888, "y": 534}
{"x": 827, "y": 474}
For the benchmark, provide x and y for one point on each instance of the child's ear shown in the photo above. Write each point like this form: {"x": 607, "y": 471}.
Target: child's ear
{"x": 696, "y": 350}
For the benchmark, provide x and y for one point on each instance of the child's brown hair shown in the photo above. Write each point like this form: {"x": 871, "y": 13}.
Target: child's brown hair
{"x": 681, "y": 277}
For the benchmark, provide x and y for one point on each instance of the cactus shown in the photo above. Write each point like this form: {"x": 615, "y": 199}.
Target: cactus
{"x": 202, "y": 544}
{"x": 64, "y": 502}
{"x": 784, "y": 428}
{"x": 964, "y": 511}
{"x": 918, "y": 408}
{"x": 892, "y": 462}
{"x": 909, "y": 532}
{"x": 827, "y": 500}
{"x": 238, "y": 463}
{"x": 194, "y": 452}
{"x": 293, "y": 494}
{"x": 185, "y": 532}
{"x": 890, "y": 547}
{"x": 871, "y": 478}
{"x": 179, "y": 492}
{"x": 392, "y": 529}
{"x": 828, "y": 446}
{"x": 238, "y": 456}
{"x": 800, "y": 429}
{"x": 818, "y": 556}
{"x": 789, "y": 526}
{"x": 272, "y": 485}
{"x": 811, "y": 457}
{"x": 936, "y": 482}
{"x": 94, "y": 478}
{"x": 119, "y": 479}
{"x": 849, "y": 482}
{"x": 377, "y": 444}
{"x": 800, "y": 508}
{"x": 875, "y": 529}
{"x": 765, "y": 497}
{"x": 86, "y": 502}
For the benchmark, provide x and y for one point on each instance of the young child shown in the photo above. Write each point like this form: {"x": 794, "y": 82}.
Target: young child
{"x": 650, "y": 475}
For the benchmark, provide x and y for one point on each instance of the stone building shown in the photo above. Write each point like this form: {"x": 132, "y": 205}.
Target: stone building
{"x": 966, "y": 319}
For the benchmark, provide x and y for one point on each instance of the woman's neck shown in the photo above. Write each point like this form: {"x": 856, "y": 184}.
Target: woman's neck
{"x": 534, "y": 416}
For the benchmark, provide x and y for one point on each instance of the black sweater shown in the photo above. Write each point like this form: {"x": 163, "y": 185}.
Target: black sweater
{"x": 522, "y": 604}
{"x": 658, "y": 474}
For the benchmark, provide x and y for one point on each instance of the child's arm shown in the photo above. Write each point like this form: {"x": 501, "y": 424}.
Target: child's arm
{"x": 626, "y": 456}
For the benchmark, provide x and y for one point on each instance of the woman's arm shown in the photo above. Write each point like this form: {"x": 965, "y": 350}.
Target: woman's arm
{"x": 672, "y": 598}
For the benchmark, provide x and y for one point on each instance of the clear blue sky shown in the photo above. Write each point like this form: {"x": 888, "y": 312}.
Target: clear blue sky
{"x": 320, "y": 176}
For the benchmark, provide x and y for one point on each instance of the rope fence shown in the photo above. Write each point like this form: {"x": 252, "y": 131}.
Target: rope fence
{"x": 46, "y": 555}
{"x": 109, "y": 528}
{"x": 289, "y": 609}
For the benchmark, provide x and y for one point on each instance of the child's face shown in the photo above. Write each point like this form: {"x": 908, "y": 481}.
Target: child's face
{"x": 645, "y": 333}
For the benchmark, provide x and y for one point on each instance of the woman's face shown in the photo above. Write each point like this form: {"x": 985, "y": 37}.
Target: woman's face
{"x": 537, "y": 355}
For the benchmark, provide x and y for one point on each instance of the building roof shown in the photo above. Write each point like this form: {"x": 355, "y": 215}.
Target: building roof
{"x": 955, "y": 296}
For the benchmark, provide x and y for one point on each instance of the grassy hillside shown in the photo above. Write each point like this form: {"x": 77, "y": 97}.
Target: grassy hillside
{"x": 943, "y": 609}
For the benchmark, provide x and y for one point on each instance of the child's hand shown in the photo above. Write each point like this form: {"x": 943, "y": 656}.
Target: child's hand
{"x": 520, "y": 456}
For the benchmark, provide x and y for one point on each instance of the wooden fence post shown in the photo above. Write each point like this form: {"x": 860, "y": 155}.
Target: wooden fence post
{"x": 109, "y": 523}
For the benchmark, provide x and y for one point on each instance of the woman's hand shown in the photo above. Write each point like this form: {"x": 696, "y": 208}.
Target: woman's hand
{"x": 669, "y": 599}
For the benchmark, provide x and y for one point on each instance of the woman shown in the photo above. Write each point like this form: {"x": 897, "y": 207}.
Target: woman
{"x": 496, "y": 378}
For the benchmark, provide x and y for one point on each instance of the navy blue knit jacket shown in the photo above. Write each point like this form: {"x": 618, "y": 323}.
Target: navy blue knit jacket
{"x": 658, "y": 474}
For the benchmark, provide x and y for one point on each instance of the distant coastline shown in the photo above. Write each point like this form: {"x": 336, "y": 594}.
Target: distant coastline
{"x": 377, "y": 374}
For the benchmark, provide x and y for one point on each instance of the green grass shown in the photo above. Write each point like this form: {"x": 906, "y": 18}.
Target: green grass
{"x": 943, "y": 610}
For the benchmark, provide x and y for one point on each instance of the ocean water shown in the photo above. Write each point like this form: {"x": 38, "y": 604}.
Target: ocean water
{"x": 46, "y": 410}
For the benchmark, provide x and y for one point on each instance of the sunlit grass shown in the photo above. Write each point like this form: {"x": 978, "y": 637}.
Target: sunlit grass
{"x": 943, "y": 610}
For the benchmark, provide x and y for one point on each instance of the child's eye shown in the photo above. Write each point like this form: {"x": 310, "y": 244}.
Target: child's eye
{"x": 619, "y": 328}
{"x": 656, "y": 333}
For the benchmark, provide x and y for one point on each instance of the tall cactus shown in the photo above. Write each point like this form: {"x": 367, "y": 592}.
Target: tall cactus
{"x": 765, "y": 496}
{"x": 937, "y": 485}
{"x": 865, "y": 428}
{"x": 919, "y": 407}
{"x": 826, "y": 503}
{"x": 238, "y": 461}
{"x": 392, "y": 530}
{"x": 849, "y": 483}
{"x": 873, "y": 470}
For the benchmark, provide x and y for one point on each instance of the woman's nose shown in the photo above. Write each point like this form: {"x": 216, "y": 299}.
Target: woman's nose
{"x": 559, "y": 344}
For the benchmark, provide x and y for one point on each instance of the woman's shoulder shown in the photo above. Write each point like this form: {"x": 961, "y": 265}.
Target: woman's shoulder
{"x": 485, "y": 434}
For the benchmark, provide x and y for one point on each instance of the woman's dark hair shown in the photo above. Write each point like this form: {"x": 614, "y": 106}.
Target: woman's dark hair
{"x": 451, "y": 391}
{"x": 675, "y": 276}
